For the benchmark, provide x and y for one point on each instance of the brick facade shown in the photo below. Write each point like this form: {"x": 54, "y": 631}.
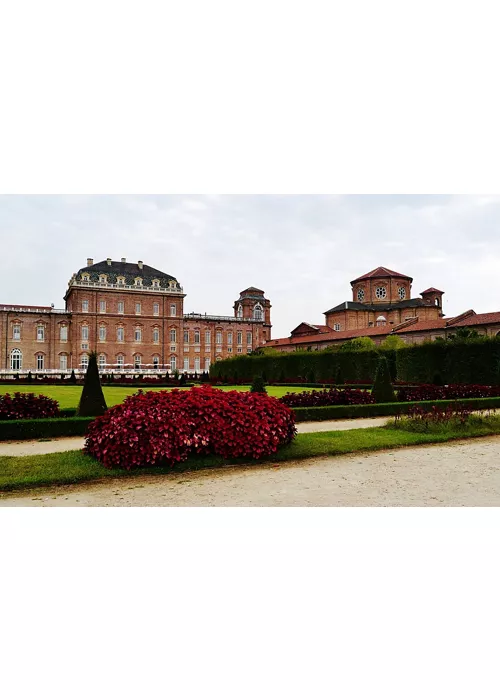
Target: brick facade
{"x": 133, "y": 317}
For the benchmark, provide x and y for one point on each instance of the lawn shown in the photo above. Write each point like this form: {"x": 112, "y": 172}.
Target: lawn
{"x": 69, "y": 396}
{"x": 74, "y": 467}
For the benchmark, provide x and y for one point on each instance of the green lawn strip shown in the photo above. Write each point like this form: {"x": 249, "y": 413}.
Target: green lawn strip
{"x": 69, "y": 396}
{"x": 75, "y": 467}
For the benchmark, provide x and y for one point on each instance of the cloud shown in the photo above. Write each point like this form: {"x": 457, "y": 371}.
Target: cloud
{"x": 302, "y": 249}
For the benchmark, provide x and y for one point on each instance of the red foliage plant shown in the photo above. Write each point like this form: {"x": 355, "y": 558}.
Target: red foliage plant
{"x": 329, "y": 397}
{"x": 157, "y": 428}
{"x": 20, "y": 406}
{"x": 430, "y": 392}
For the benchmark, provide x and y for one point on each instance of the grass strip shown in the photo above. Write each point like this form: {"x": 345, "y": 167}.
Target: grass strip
{"x": 75, "y": 467}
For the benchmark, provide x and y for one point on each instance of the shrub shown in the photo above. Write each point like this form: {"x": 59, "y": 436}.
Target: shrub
{"x": 329, "y": 397}
{"x": 431, "y": 392}
{"x": 72, "y": 379}
{"x": 436, "y": 419}
{"x": 182, "y": 380}
{"x": 383, "y": 391}
{"x": 258, "y": 386}
{"x": 92, "y": 401}
{"x": 166, "y": 427}
{"x": 20, "y": 406}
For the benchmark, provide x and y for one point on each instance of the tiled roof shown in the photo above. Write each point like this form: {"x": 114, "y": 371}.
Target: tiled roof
{"x": 357, "y": 306}
{"x": 381, "y": 272}
{"x": 432, "y": 290}
{"x": 435, "y": 324}
{"x": 478, "y": 320}
{"x": 333, "y": 336}
{"x": 128, "y": 270}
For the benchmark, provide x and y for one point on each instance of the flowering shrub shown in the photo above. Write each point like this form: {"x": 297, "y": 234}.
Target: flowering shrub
{"x": 328, "y": 397}
{"x": 167, "y": 427}
{"x": 19, "y": 406}
{"x": 430, "y": 392}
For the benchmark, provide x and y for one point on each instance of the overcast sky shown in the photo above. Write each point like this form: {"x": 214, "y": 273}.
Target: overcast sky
{"x": 302, "y": 250}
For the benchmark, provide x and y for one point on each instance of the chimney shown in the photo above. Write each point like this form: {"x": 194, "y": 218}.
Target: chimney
{"x": 140, "y": 263}
{"x": 90, "y": 261}
{"x": 124, "y": 260}
{"x": 108, "y": 260}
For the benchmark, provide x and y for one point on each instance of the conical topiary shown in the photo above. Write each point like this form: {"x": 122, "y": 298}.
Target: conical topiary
{"x": 72, "y": 379}
{"x": 258, "y": 386}
{"x": 92, "y": 401}
{"x": 383, "y": 391}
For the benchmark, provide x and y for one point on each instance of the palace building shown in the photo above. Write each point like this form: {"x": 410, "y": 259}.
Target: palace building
{"x": 132, "y": 316}
{"x": 383, "y": 305}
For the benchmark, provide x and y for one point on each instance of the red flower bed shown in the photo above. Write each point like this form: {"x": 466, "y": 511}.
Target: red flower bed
{"x": 162, "y": 427}
{"x": 328, "y": 397}
{"x": 19, "y": 406}
{"x": 430, "y": 392}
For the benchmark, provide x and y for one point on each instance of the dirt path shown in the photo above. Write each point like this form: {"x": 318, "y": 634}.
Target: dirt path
{"x": 25, "y": 448}
{"x": 463, "y": 473}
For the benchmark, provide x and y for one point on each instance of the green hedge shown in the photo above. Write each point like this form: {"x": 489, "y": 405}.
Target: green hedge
{"x": 320, "y": 413}
{"x": 475, "y": 361}
{"x": 43, "y": 428}
{"x": 327, "y": 366}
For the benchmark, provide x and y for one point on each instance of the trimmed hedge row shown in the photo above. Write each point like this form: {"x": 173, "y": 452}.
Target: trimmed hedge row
{"x": 43, "y": 428}
{"x": 321, "y": 413}
{"x": 473, "y": 361}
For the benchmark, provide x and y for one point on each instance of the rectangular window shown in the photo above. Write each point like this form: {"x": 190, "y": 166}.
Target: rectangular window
{"x": 40, "y": 333}
{"x": 186, "y": 336}
{"x": 39, "y": 361}
{"x": 137, "y": 362}
{"x": 137, "y": 309}
{"x": 102, "y": 362}
{"x": 207, "y": 337}
{"x": 196, "y": 364}
{"x": 138, "y": 335}
{"x": 85, "y": 307}
{"x": 156, "y": 335}
{"x": 186, "y": 364}
{"x": 219, "y": 338}
{"x": 121, "y": 307}
{"x": 63, "y": 334}
{"x": 207, "y": 364}
{"x": 102, "y": 307}
{"x": 120, "y": 335}
{"x": 156, "y": 362}
{"x": 173, "y": 310}
{"x": 85, "y": 332}
{"x": 230, "y": 349}
{"x": 63, "y": 362}
{"x": 173, "y": 336}
{"x": 230, "y": 338}
{"x": 249, "y": 338}
{"x": 156, "y": 309}
{"x": 197, "y": 337}
{"x": 17, "y": 332}
{"x": 173, "y": 348}
{"x": 240, "y": 338}
{"x": 173, "y": 364}
{"x": 239, "y": 350}
{"x": 102, "y": 333}
{"x": 120, "y": 361}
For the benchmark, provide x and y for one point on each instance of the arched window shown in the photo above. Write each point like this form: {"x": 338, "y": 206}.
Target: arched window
{"x": 137, "y": 362}
{"x": 437, "y": 302}
{"x": 381, "y": 321}
{"x": 120, "y": 361}
{"x": 102, "y": 362}
{"x": 258, "y": 312}
{"x": 16, "y": 360}
{"x": 84, "y": 361}
{"x": 156, "y": 361}
{"x": 240, "y": 311}
{"x": 197, "y": 337}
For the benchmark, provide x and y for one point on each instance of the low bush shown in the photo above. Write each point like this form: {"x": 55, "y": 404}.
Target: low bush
{"x": 437, "y": 419}
{"x": 164, "y": 428}
{"x": 330, "y": 397}
{"x": 432, "y": 392}
{"x": 43, "y": 428}
{"x": 20, "y": 406}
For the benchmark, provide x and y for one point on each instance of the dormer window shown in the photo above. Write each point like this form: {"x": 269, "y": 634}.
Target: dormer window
{"x": 120, "y": 280}
{"x": 138, "y": 281}
{"x": 103, "y": 279}
{"x": 381, "y": 321}
{"x": 172, "y": 284}
{"x": 85, "y": 278}
{"x": 156, "y": 283}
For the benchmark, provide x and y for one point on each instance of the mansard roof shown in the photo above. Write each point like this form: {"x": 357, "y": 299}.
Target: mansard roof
{"x": 381, "y": 272}
{"x": 128, "y": 270}
{"x": 358, "y": 306}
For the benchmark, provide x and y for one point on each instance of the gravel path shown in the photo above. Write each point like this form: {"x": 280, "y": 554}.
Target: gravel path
{"x": 465, "y": 473}
{"x": 25, "y": 448}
